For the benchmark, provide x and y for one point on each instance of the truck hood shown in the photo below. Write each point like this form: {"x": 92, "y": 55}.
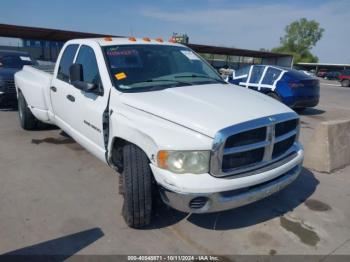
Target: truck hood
{"x": 205, "y": 108}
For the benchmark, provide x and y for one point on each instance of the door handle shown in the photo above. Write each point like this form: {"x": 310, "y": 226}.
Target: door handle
{"x": 71, "y": 98}
{"x": 53, "y": 88}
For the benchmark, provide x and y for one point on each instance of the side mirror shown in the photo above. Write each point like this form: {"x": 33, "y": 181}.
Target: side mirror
{"x": 77, "y": 77}
{"x": 76, "y": 72}
{"x": 86, "y": 87}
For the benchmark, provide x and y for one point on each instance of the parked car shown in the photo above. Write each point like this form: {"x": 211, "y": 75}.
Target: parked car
{"x": 10, "y": 63}
{"x": 321, "y": 73}
{"x": 163, "y": 117}
{"x": 333, "y": 75}
{"x": 293, "y": 88}
{"x": 344, "y": 78}
{"x": 310, "y": 73}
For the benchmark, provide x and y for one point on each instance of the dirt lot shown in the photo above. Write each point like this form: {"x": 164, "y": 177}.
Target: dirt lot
{"x": 55, "y": 198}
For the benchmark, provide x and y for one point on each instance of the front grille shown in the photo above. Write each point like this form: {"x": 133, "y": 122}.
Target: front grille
{"x": 242, "y": 159}
{"x": 252, "y": 145}
{"x": 9, "y": 86}
{"x": 285, "y": 127}
{"x": 281, "y": 147}
{"x": 246, "y": 138}
{"x": 198, "y": 202}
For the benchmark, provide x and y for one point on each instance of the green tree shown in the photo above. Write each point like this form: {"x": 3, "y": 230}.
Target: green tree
{"x": 300, "y": 37}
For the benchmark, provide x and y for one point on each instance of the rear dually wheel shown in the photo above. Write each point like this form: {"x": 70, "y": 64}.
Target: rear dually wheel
{"x": 26, "y": 118}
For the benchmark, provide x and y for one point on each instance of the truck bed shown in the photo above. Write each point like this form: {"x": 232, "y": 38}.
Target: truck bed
{"x": 46, "y": 68}
{"x": 34, "y": 82}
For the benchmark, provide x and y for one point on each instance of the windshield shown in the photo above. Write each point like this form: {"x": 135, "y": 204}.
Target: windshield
{"x": 148, "y": 67}
{"x": 16, "y": 61}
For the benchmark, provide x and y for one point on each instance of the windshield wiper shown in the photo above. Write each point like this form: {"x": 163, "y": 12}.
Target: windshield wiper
{"x": 202, "y": 76}
{"x": 156, "y": 87}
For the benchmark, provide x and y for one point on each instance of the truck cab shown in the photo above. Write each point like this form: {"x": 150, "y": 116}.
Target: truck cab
{"x": 165, "y": 121}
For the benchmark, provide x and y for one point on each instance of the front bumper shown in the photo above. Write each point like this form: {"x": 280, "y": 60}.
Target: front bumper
{"x": 214, "y": 202}
{"x": 302, "y": 102}
{"x": 205, "y": 193}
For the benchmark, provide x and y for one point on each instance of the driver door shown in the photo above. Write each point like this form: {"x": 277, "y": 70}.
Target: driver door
{"x": 86, "y": 119}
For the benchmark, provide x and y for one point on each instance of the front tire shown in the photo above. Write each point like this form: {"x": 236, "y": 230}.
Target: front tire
{"x": 345, "y": 83}
{"x": 137, "y": 182}
{"x": 26, "y": 118}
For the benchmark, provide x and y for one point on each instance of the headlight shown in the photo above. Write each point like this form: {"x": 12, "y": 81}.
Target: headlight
{"x": 180, "y": 162}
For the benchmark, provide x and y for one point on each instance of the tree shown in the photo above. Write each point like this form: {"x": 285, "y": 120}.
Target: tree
{"x": 300, "y": 37}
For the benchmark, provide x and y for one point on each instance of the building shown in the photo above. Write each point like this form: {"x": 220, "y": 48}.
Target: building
{"x": 316, "y": 67}
{"x": 44, "y": 44}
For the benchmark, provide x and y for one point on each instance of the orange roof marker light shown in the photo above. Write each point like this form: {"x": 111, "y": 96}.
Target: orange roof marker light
{"x": 133, "y": 39}
{"x": 172, "y": 40}
{"x": 108, "y": 38}
{"x": 159, "y": 39}
{"x": 146, "y": 39}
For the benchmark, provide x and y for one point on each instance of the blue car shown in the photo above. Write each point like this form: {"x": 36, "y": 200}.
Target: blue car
{"x": 293, "y": 88}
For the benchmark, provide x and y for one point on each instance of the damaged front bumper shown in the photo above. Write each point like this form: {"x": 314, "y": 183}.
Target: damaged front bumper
{"x": 213, "y": 202}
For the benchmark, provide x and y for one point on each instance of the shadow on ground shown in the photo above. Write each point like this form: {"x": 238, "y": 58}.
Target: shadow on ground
{"x": 311, "y": 112}
{"x": 165, "y": 216}
{"x": 274, "y": 206}
{"x": 58, "y": 249}
{"x": 45, "y": 127}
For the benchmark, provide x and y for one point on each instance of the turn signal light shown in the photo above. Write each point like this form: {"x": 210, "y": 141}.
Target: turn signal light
{"x": 133, "y": 39}
{"x": 146, "y": 39}
{"x": 162, "y": 159}
{"x": 159, "y": 40}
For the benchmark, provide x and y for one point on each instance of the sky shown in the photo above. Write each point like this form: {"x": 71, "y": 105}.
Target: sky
{"x": 249, "y": 24}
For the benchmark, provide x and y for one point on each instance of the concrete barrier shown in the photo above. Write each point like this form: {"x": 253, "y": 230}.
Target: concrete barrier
{"x": 329, "y": 147}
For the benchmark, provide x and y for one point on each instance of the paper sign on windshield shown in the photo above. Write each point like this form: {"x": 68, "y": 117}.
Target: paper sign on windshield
{"x": 25, "y": 58}
{"x": 120, "y": 76}
{"x": 190, "y": 55}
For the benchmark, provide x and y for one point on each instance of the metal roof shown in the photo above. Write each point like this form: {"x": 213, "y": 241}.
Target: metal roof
{"x": 16, "y": 52}
{"x": 26, "y": 32}
{"x": 233, "y": 51}
{"x": 42, "y": 33}
{"x": 322, "y": 64}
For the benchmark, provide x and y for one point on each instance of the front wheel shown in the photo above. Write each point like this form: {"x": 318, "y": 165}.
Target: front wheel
{"x": 345, "y": 83}
{"x": 26, "y": 118}
{"x": 137, "y": 182}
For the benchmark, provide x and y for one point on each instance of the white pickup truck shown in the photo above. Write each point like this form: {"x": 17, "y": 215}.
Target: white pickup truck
{"x": 162, "y": 117}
